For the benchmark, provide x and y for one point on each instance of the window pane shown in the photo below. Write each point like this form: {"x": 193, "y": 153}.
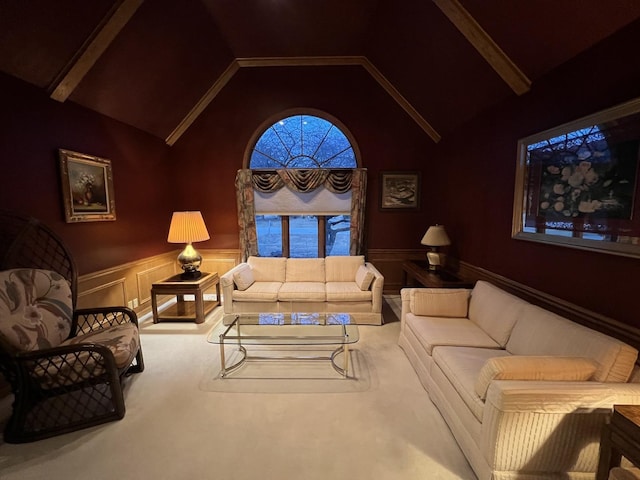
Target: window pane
{"x": 303, "y": 141}
{"x": 269, "y": 229}
{"x": 303, "y": 236}
{"x": 338, "y": 237}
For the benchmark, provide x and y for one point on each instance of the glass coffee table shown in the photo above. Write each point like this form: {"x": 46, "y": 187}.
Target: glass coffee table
{"x": 288, "y": 330}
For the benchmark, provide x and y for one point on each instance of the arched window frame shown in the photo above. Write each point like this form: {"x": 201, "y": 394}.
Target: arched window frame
{"x": 246, "y": 200}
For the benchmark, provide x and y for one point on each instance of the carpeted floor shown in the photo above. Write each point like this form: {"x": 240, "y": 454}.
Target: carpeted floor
{"x": 178, "y": 428}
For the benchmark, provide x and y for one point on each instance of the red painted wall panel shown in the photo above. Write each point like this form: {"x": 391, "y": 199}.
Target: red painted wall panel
{"x": 479, "y": 165}
{"x": 34, "y": 127}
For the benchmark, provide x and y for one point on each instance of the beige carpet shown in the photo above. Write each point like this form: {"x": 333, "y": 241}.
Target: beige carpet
{"x": 176, "y": 429}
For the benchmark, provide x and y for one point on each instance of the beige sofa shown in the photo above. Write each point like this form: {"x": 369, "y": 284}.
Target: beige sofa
{"x": 525, "y": 392}
{"x": 338, "y": 284}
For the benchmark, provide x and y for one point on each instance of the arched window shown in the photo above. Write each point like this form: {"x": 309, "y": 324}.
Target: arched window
{"x": 303, "y": 141}
{"x": 297, "y": 220}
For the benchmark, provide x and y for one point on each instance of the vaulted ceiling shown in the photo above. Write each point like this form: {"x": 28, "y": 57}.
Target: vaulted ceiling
{"x": 157, "y": 64}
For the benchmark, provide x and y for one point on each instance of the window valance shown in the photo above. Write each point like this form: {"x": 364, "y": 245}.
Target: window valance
{"x": 303, "y": 180}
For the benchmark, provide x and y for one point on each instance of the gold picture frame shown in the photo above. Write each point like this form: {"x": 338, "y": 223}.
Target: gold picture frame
{"x": 577, "y": 184}
{"x": 87, "y": 187}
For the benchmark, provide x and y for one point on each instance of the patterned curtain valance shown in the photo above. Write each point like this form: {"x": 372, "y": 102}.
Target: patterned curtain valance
{"x": 303, "y": 180}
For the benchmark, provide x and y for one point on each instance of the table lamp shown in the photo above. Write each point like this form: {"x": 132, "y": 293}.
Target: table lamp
{"x": 188, "y": 227}
{"x": 435, "y": 237}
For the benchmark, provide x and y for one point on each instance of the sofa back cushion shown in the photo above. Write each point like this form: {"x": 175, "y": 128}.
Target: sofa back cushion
{"x": 494, "y": 310}
{"x": 343, "y": 268}
{"x": 243, "y": 277}
{"x": 523, "y": 367}
{"x": 35, "y": 309}
{"x": 439, "y": 302}
{"x": 541, "y": 332}
{"x": 268, "y": 269}
{"x": 305, "y": 270}
{"x": 364, "y": 277}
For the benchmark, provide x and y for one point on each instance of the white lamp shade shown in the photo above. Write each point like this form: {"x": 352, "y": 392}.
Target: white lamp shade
{"x": 187, "y": 227}
{"x": 436, "y": 237}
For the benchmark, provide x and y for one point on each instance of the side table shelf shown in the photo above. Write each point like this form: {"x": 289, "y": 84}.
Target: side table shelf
{"x": 195, "y": 310}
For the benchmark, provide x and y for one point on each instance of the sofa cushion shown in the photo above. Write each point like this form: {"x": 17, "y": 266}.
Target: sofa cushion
{"x": 541, "y": 332}
{"x": 258, "y": 292}
{"x": 302, "y": 292}
{"x": 495, "y": 310}
{"x": 440, "y": 302}
{"x": 364, "y": 277}
{"x": 268, "y": 269}
{"x": 522, "y": 367}
{"x": 346, "y": 292}
{"x": 123, "y": 340}
{"x": 433, "y": 331}
{"x": 35, "y": 307}
{"x": 461, "y": 366}
{"x": 243, "y": 277}
{"x": 342, "y": 268}
{"x": 305, "y": 270}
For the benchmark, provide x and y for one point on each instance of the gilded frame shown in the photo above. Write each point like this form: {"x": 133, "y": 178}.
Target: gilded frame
{"x": 87, "y": 187}
{"x": 577, "y": 184}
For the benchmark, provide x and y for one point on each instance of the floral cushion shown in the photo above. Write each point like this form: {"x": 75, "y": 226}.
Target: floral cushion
{"x": 35, "y": 308}
{"x": 123, "y": 341}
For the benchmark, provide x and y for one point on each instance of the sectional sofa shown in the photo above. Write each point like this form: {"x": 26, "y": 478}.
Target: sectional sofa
{"x": 525, "y": 392}
{"x": 337, "y": 284}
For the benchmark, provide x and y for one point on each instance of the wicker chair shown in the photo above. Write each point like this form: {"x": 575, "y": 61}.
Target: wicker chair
{"x": 65, "y": 366}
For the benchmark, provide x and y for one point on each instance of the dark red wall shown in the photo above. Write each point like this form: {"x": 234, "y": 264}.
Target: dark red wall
{"x": 478, "y": 165}
{"x": 213, "y": 148}
{"x": 34, "y": 127}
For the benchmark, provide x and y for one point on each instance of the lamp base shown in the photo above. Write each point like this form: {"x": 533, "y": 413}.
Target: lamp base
{"x": 190, "y": 260}
{"x": 190, "y": 275}
{"x": 435, "y": 260}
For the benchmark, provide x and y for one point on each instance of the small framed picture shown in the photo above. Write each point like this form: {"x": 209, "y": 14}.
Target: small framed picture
{"x": 400, "y": 190}
{"x": 87, "y": 187}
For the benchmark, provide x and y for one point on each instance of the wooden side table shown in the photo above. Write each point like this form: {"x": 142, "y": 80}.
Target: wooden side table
{"x": 419, "y": 272}
{"x": 620, "y": 438}
{"x": 185, "y": 310}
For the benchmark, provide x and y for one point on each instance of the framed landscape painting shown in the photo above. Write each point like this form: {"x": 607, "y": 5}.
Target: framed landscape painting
{"x": 87, "y": 187}
{"x": 577, "y": 184}
{"x": 400, "y": 190}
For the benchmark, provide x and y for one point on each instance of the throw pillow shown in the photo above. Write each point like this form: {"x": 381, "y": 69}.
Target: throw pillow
{"x": 520, "y": 367}
{"x": 364, "y": 277}
{"x": 439, "y": 302}
{"x": 243, "y": 278}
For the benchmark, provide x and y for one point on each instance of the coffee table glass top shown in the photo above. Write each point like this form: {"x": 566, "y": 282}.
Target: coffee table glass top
{"x": 285, "y": 329}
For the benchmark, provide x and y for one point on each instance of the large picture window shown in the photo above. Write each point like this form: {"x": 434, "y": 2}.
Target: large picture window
{"x": 299, "y": 222}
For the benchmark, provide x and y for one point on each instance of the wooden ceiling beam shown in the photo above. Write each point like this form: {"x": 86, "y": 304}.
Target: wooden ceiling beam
{"x": 203, "y": 103}
{"x": 484, "y": 44}
{"x": 73, "y": 73}
{"x": 257, "y": 62}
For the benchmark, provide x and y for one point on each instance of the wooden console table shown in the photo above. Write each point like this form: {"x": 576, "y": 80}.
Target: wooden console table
{"x": 620, "y": 438}
{"x": 417, "y": 272}
{"x": 185, "y": 310}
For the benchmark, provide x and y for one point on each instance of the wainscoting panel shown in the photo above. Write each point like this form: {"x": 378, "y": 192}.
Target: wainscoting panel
{"x": 389, "y": 263}
{"x": 146, "y": 278}
{"x": 105, "y": 295}
{"x": 130, "y": 284}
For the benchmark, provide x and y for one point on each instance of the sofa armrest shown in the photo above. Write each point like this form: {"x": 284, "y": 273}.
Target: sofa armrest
{"x": 228, "y": 286}
{"x": 539, "y": 426}
{"x": 559, "y": 397}
{"x": 377, "y": 286}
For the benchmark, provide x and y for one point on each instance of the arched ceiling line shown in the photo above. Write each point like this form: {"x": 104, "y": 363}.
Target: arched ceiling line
{"x": 238, "y": 63}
